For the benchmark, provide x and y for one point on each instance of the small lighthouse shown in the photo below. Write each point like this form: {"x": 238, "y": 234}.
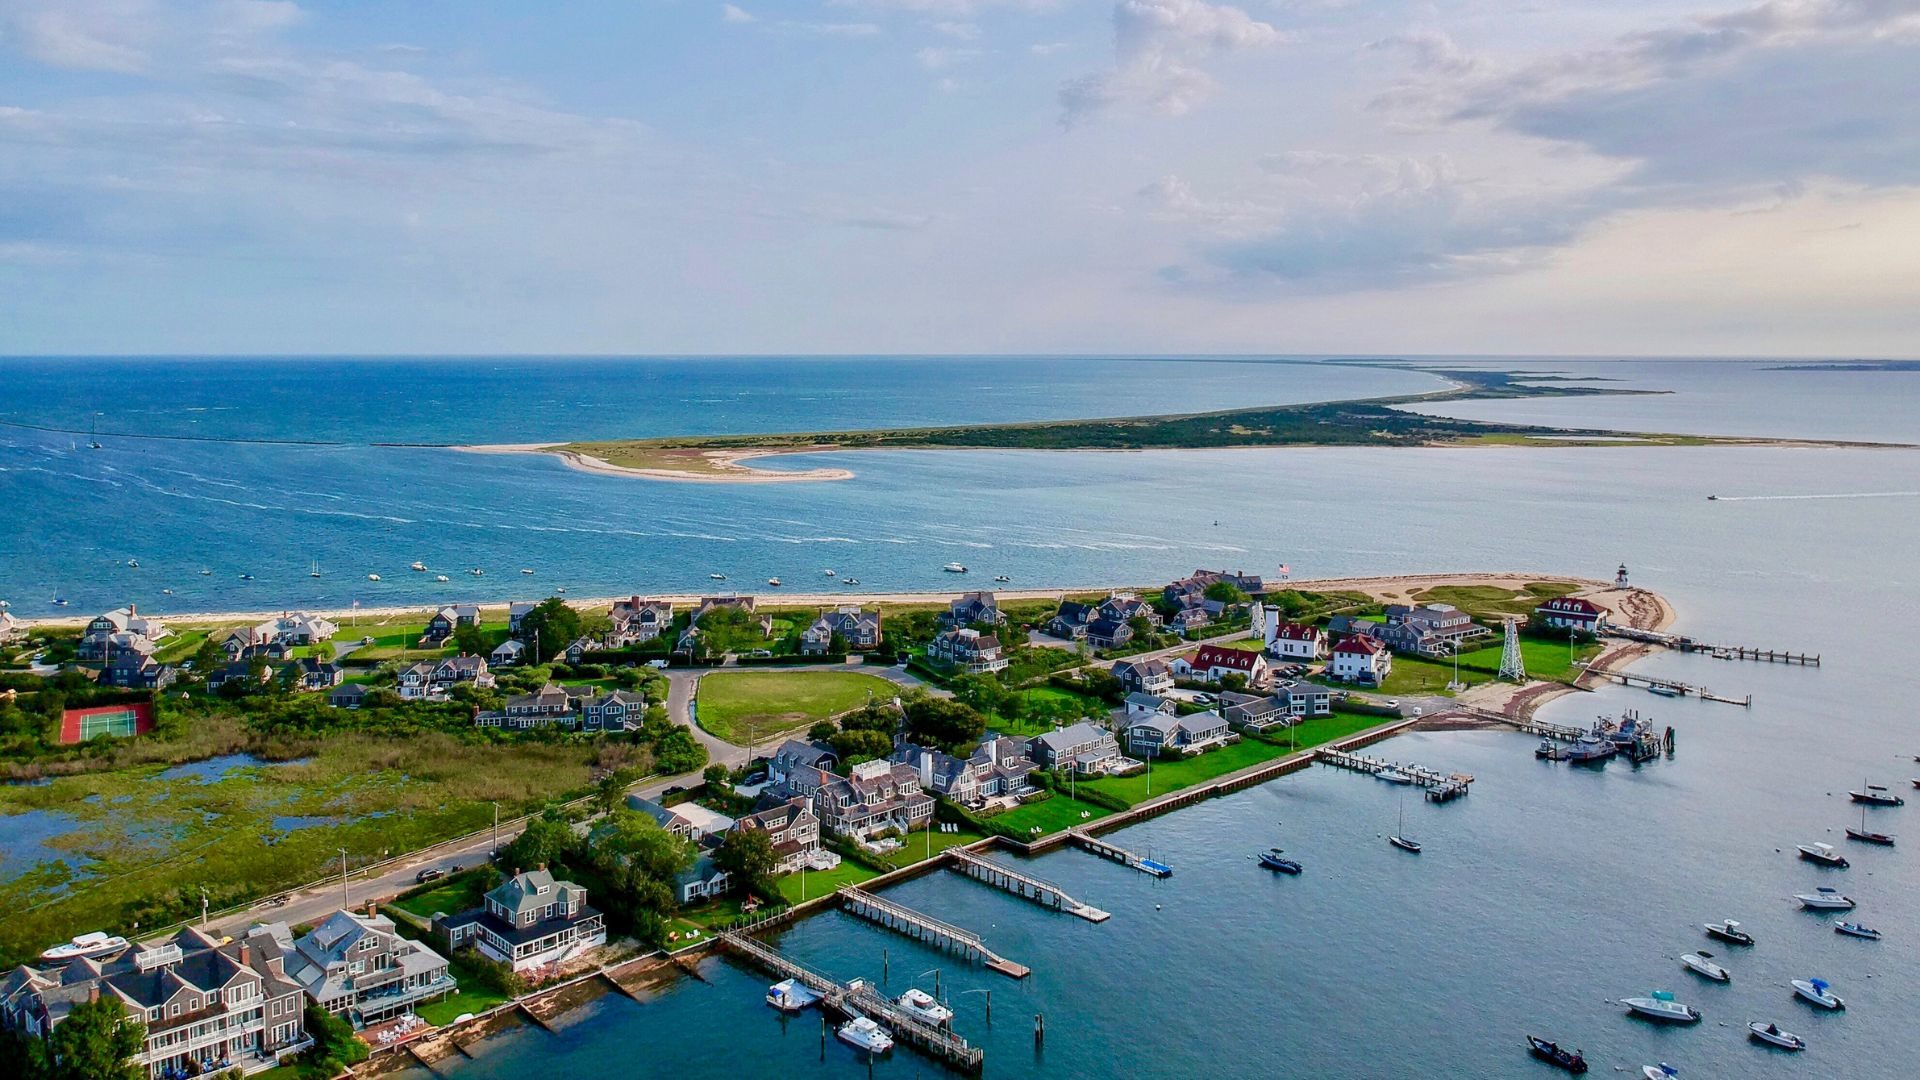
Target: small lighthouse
{"x": 1620, "y": 578}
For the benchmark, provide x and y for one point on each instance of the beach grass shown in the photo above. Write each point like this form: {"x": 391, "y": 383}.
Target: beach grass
{"x": 733, "y": 705}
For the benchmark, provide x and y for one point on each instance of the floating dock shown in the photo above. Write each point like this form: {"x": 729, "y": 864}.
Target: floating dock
{"x": 1022, "y": 884}
{"x": 925, "y": 928}
{"x": 1116, "y": 853}
{"x": 1439, "y": 786}
{"x": 859, "y": 999}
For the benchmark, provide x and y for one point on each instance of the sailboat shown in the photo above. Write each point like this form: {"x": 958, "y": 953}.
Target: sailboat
{"x": 1863, "y": 833}
{"x": 58, "y": 600}
{"x": 315, "y": 572}
{"x": 1400, "y": 839}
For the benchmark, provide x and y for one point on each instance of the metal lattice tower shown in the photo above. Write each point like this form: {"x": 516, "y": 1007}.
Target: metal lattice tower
{"x": 1512, "y": 665}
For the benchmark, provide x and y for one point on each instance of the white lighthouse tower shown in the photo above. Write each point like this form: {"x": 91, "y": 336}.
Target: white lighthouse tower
{"x": 1620, "y": 578}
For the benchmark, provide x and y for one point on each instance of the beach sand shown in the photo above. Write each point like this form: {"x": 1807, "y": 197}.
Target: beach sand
{"x": 714, "y": 466}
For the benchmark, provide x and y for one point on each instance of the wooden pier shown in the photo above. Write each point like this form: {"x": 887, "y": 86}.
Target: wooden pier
{"x": 1684, "y": 644}
{"x": 1115, "y": 853}
{"x": 1022, "y": 884}
{"x": 925, "y": 928}
{"x": 1439, "y": 786}
{"x": 860, "y": 999}
{"x": 1669, "y": 687}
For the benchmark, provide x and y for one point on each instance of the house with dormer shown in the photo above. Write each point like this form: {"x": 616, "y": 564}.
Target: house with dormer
{"x": 356, "y": 965}
{"x": 527, "y": 921}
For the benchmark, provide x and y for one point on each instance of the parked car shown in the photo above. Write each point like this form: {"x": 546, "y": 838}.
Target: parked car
{"x": 1393, "y": 703}
{"x": 431, "y": 873}
{"x": 761, "y": 654}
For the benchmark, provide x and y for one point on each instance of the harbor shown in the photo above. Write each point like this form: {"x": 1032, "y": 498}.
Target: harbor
{"x": 925, "y": 928}
{"x": 1436, "y": 785}
{"x": 1685, "y": 644}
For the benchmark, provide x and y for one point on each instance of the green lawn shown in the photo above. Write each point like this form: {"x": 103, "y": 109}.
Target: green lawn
{"x": 1174, "y": 775}
{"x": 1041, "y": 696}
{"x": 823, "y": 882}
{"x": 1412, "y": 675}
{"x": 181, "y": 646}
{"x": 733, "y": 703}
{"x": 458, "y": 1003}
{"x": 1244, "y": 644}
{"x": 1052, "y": 815}
{"x": 460, "y": 892}
{"x": 1546, "y": 658}
{"x": 1492, "y": 601}
{"x": 391, "y": 642}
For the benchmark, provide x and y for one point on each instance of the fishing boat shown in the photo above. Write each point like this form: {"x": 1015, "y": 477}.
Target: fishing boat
{"x": 373, "y": 577}
{"x": 718, "y": 577}
{"x": 1002, "y": 578}
{"x": 1854, "y": 929}
{"x": 1630, "y": 729}
{"x": 1702, "y": 963}
{"x": 1823, "y": 854}
{"x": 477, "y": 572}
{"x": 954, "y": 568}
{"x": 1824, "y": 899}
{"x": 924, "y": 1006}
{"x": 1661, "y": 1006}
{"x": 1554, "y": 1054}
{"x": 526, "y": 569}
{"x": 862, "y": 1032}
{"x": 850, "y": 581}
{"x": 417, "y": 566}
{"x": 1729, "y": 931}
{"x": 1815, "y": 992}
{"x": 1658, "y": 1072}
{"x": 1274, "y": 859}
{"x": 1663, "y": 690}
{"x": 1771, "y": 1033}
{"x": 86, "y": 946}
{"x": 774, "y": 581}
{"x": 1400, "y": 839}
{"x": 1393, "y": 775}
{"x": 790, "y": 997}
{"x": 1867, "y": 835}
{"x": 1876, "y": 795}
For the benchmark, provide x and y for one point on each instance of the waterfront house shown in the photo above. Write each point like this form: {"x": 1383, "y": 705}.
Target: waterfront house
{"x": 1003, "y": 767}
{"x": 1360, "y": 659}
{"x": 968, "y": 650}
{"x": 451, "y": 618}
{"x": 794, "y": 831}
{"x": 137, "y": 671}
{"x": 973, "y": 609}
{"x": 795, "y": 753}
{"x": 859, "y": 630}
{"x": 118, "y": 629}
{"x": 1571, "y": 613}
{"x": 635, "y": 619}
{"x": 1192, "y": 589}
{"x": 1070, "y": 621}
{"x": 1189, "y": 619}
{"x": 1252, "y": 712}
{"x": 200, "y": 1000}
{"x": 517, "y": 611}
{"x": 507, "y": 653}
{"x": 1107, "y": 633}
{"x": 348, "y": 696}
{"x": 528, "y": 921}
{"x": 1081, "y": 747}
{"x": 1212, "y": 663}
{"x": 10, "y": 627}
{"x": 1429, "y": 629}
{"x": 1126, "y": 607}
{"x": 1144, "y": 676}
{"x": 1150, "y": 736}
{"x": 260, "y": 639}
{"x": 358, "y": 966}
{"x": 300, "y": 628}
{"x": 688, "y": 821}
{"x": 940, "y": 772}
{"x": 1139, "y": 706}
{"x": 712, "y": 603}
{"x": 313, "y": 673}
{"x": 703, "y": 880}
{"x": 873, "y": 797}
{"x": 616, "y": 710}
{"x": 1304, "y": 699}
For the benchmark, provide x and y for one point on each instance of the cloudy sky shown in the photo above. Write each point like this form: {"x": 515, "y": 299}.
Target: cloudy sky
{"x": 1695, "y": 177}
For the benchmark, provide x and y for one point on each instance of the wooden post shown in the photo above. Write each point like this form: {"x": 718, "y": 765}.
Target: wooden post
{"x": 823, "y": 1035}
{"x": 1039, "y": 1030}
{"x": 884, "y": 969}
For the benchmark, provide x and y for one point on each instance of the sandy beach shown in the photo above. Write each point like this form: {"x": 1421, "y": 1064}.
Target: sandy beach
{"x": 716, "y": 466}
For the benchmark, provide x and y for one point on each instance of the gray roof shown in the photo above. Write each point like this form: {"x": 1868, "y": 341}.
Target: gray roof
{"x": 1067, "y": 738}
{"x": 530, "y": 889}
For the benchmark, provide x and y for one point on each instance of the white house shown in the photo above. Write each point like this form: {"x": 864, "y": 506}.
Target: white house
{"x": 1287, "y": 640}
{"x": 1213, "y": 663}
{"x": 1360, "y": 659}
{"x": 1571, "y": 613}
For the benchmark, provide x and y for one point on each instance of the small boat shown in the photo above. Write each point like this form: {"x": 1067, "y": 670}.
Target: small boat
{"x": 850, "y": 581}
{"x": 830, "y": 573}
{"x": 1400, "y": 839}
{"x": 1547, "y": 750}
{"x": 1663, "y": 690}
{"x": 559, "y": 588}
{"x": 1002, "y": 578}
{"x": 1824, "y": 899}
{"x": 1823, "y": 854}
{"x": 417, "y": 566}
{"x": 1729, "y": 931}
{"x": 246, "y": 577}
{"x": 774, "y": 581}
{"x": 1713, "y": 498}
{"x": 924, "y": 1006}
{"x": 59, "y": 601}
{"x": 1876, "y": 795}
{"x": 1771, "y": 1033}
{"x": 1554, "y": 1054}
{"x": 1816, "y": 992}
{"x": 1854, "y": 929}
{"x": 441, "y": 577}
{"x": 477, "y": 572}
{"x": 718, "y": 577}
{"x": 1273, "y": 859}
{"x": 862, "y": 1032}
{"x": 1589, "y": 747}
{"x": 133, "y": 564}
{"x": 526, "y": 569}
{"x": 1394, "y": 776}
{"x": 1658, "y": 1072}
{"x": 1661, "y": 1006}
{"x": 790, "y": 996}
{"x": 204, "y": 572}
{"x": 1703, "y": 963}
{"x": 954, "y": 568}
{"x": 1867, "y": 835}
{"x": 86, "y": 945}
{"x": 314, "y": 570}
{"x": 163, "y": 592}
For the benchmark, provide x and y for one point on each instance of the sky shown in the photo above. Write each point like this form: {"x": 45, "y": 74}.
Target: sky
{"x": 960, "y": 176}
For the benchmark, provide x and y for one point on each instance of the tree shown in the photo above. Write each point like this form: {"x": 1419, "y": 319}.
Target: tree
{"x": 608, "y": 792}
{"x": 746, "y": 854}
{"x": 1226, "y": 592}
{"x": 982, "y": 692}
{"x": 859, "y": 745}
{"x": 551, "y": 626}
{"x": 677, "y": 751}
{"x": 97, "y": 1041}
{"x": 821, "y": 731}
{"x": 944, "y": 723}
{"x": 473, "y": 640}
{"x": 717, "y": 779}
{"x": 545, "y": 841}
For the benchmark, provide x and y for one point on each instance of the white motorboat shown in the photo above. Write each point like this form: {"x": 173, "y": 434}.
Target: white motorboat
{"x": 790, "y": 996}
{"x": 1816, "y": 992}
{"x": 477, "y": 572}
{"x": 1658, "y": 1072}
{"x": 526, "y": 569}
{"x": 1661, "y": 1006}
{"x": 954, "y": 568}
{"x": 830, "y": 573}
{"x": 1824, "y": 854}
{"x": 441, "y": 577}
{"x": 925, "y": 1006}
{"x": 418, "y": 567}
{"x": 1824, "y": 899}
{"x": 1394, "y": 776}
{"x": 1704, "y": 964}
{"x": 133, "y": 564}
{"x": 97, "y": 943}
{"x": 205, "y": 572}
{"x": 862, "y": 1032}
{"x": 774, "y": 581}
{"x": 718, "y": 577}
{"x": 373, "y": 577}
{"x": 850, "y": 581}
{"x": 1771, "y": 1033}
{"x": 1002, "y": 578}
{"x": 1854, "y": 929}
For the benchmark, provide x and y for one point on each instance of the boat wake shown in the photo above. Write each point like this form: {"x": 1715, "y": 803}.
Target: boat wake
{"x": 1830, "y": 495}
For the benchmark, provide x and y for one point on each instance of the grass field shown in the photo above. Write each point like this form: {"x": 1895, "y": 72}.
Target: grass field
{"x": 823, "y": 882}
{"x": 460, "y": 892}
{"x": 1492, "y": 601}
{"x": 769, "y": 702}
{"x": 1545, "y": 659}
{"x": 1052, "y": 815}
{"x": 1173, "y": 775}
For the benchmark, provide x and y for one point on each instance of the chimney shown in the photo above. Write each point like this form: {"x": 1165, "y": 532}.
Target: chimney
{"x": 373, "y": 908}
{"x": 246, "y": 955}
{"x": 93, "y": 991}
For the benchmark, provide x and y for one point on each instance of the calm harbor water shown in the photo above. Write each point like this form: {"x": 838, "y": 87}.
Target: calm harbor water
{"x": 1549, "y": 891}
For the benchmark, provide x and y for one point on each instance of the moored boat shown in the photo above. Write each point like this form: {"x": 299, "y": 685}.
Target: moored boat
{"x": 1588, "y": 748}
{"x": 1661, "y": 1006}
{"x": 790, "y": 996}
{"x": 1867, "y": 835}
{"x": 526, "y": 569}
{"x": 954, "y": 568}
{"x": 862, "y": 1032}
{"x": 1876, "y": 795}
{"x": 1404, "y": 844}
{"x": 774, "y": 581}
{"x": 924, "y": 1006}
{"x": 1547, "y": 750}
{"x": 1729, "y": 931}
{"x": 1815, "y": 992}
{"x": 1824, "y": 899}
{"x": 373, "y": 577}
{"x": 1658, "y": 1072}
{"x": 1002, "y": 578}
{"x": 1663, "y": 690}
{"x": 1554, "y": 1054}
{"x": 1394, "y": 776}
{"x": 417, "y": 566}
{"x": 1854, "y": 929}
{"x": 718, "y": 577}
{"x": 1823, "y": 854}
{"x": 1703, "y": 963}
{"x": 1274, "y": 859}
{"x": 98, "y": 943}
{"x": 1771, "y": 1033}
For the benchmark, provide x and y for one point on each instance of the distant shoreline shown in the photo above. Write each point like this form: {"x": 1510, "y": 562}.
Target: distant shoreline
{"x": 717, "y": 466}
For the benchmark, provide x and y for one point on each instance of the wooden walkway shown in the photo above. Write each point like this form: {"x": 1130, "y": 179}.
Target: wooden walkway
{"x": 1669, "y": 687}
{"x": 1439, "y": 786}
{"x": 925, "y": 928}
{"x": 1685, "y": 644}
{"x": 1115, "y": 853}
{"x": 859, "y": 999}
{"x": 1022, "y": 884}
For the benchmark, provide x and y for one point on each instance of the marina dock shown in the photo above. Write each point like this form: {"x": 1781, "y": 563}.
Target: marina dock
{"x": 1439, "y": 786}
{"x": 1022, "y": 884}
{"x": 859, "y": 999}
{"x": 1115, "y": 853}
{"x": 925, "y": 928}
{"x": 1669, "y": 687}
{"x": 1685, "y": 644}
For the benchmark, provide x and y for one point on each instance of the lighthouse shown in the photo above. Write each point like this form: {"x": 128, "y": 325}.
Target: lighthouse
{"x": 1620, "y": 578}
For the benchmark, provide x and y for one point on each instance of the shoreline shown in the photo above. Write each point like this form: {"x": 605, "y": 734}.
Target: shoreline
{"x": 724, "y": 466}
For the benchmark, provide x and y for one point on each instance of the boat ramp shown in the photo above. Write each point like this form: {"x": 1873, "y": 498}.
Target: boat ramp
{"x": 858, "y": 998}
{"x": 1115, "y": 853}
{"x": 929, "y": 930}
{"x": 1439, "y": 786}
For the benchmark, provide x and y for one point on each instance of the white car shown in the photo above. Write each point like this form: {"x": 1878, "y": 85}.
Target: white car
{"x": 1202, "y": 699}
{"x": 1393, "y": 703}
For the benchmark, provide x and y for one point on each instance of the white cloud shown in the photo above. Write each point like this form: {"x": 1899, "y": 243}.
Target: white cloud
{"x": 935, "y": 58}
{"x": 1048, "y": 48}
{"x": 92, "y": 35}
{"x": 729, "y": 13}
{"x": 961, "y": 31}
{"x": 1158, "y": 46}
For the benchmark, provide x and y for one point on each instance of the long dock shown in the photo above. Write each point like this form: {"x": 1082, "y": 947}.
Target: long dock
{"x": 1669, "y": 687}
{"x": 1439, "y": 786}
{"x": 1022, "y": 884}
{"x": 859, "y": 999}
{"x": 1685, "y": 644}
{"x": 1115, "y": 853}
{"x": 925, "y": 928}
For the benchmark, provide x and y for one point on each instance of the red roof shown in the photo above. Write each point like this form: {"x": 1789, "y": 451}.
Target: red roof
{"x": 1359, "y": 645}
{"x": 1214, "y": 656}
{"x": 1571, "y": 605}
{"x": 1293, "y": 631}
